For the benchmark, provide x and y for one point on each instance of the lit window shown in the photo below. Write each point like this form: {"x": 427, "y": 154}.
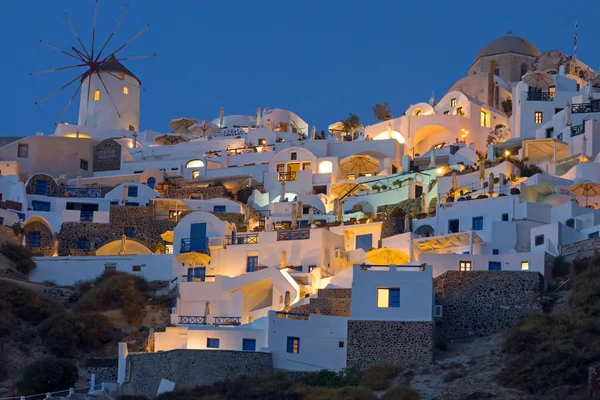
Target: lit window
{"x": 551, "y": 91}
{"x": 120, "y": 77}
{"x": 484, "y": 119}
{"x": 305, "y": 166}
{"x": 195, "y": 174}
{"x": 417, "y": 112}
{"x": 465, "y": 266}
{"x": 350, "y": 176}
{"x": 459, "y": 111}
{"x": 195, "y": 164}
{"x": 452, "y": 102}
{"x": 325, "y": 167}
{"x": 125, "y": 90}
{"x": 96, "y": 95}
{"x": 212, "y": 343}
{"x": 538, "y": 117}
{"x": 293, "y": 345}
{"x": 136, "y": 268}
{"x": 388, "y": 297}
{"x": 524, "y": 265}
{"x": 262, "y": 142}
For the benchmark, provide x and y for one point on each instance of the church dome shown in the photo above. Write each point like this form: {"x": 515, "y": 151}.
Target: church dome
{"x": 508, "y": 44}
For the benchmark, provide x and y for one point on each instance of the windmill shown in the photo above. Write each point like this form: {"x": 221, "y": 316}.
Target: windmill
{"x": 104, "y": 84}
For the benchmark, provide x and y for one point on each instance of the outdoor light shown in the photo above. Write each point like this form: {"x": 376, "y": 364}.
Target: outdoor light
{"x": 440, "y": 171}
{"x": 506, "y": 153}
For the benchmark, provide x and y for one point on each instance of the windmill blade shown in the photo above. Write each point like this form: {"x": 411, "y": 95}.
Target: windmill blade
{"x": 108, "y": 93}
{"x": 117, "y": 76}
{"x": 126, "y": 43}
{"x": 113, "y": 32}
{"x": 59, "y": 90}
{"x": 69, "y": 103}
{"x": 76, "y": 35}
{"x": 94, "y": 28}
{"x": 62, "y": 51}
{"x": 87, "y": 105}
{"x": 57, "y": 69}
{"x": 136, "y": 57}
{"x": 79, "y": 53}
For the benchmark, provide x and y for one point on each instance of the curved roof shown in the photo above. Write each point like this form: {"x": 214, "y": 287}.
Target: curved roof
{"x": 508, "y": 44}
{"x": 113, "y": 65}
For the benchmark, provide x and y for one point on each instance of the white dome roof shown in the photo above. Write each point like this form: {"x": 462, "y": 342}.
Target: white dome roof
{"x": 508, "y": 44}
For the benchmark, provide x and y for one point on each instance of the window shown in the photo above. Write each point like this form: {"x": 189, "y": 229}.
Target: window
{"x": 34, "y": 239}
{"x": 446, "y": 112}
{"x": 464, "y": 266}
{"x": 83, "y": 164}
{"x": 136, "y": 268}
{"x": 132, "y": 191}
{"x": 96, "y": 95}
{"x": 293, "y": 345}
{"x": 195, "y": 164}
{"x": 83, "y": 244}
{"x": 40, "y": 205}
{"x": 524, "y": 265}
{"x": 151, "y": 182}
{"x": 453, "y": 102}
{"x": 551, "y": 91}
{"x": 578, "y": 87}
{"x": 212, "y": 343}
{"x": 594, "y": 235}
{"x": 251, "y": 263}
{"x": 41, "y": 188}
{"x": 110, "y": 267}
{"x": 219, "y": 209}
{"x": 495, "y": 252}
{"x": 195, "y": 174}
{"x": 131, "y": 128}
{"x": 570, "y": 222}
{"x": 538, "y": 117}
{"x": 280, "y": 168}
{"x": 484, "y": 119}
{"x": 23, "y": 151}
{"x": 249, "y": 344}
{"x": 459, "y": 111}
{"x": 549, "y": 133}
{"x": 125, "y": 90}
{"x": 388, "y": 297}
{"x": 262, "y": 141}
{"x": 305, "y": 166}
{"x": 106, "y": 154}
{"x": 477, "y": 223}
{"x": 129, "y": 232}
{"x": 505, "y": 217}
{"x": 497, "y": 71}
{"x": 132, "y": 203}
{"x": 539, "y": 240}
{"x": 350, "y": 176}
{"x": 453, "y": 226}
{"x": 524, "y": 69}
{"x": 341, "y": 344}
{"x": 2, "y": 223}
{"x": 417, "y": 112}
{"x": 293, "y": 156}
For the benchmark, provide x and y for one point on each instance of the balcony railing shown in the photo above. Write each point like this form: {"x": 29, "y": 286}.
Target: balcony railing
{"x": 241, "y": 238}
{"x": 192, "y": 320}
{"x": 198, "y": 278}
{"x": 289, "y": 315}
{"x": 300, "y": 234}
{"x": 287, "y": 176}
{"x": 577, "y": 130}
{"x": 540, "y": 96}
{"x": 227, "y": 321}
{"x": 86, "y": 216}
{"x": 188, "y": 245}
{"x": 78, "y": 191}
{"x": 582, "y": 108}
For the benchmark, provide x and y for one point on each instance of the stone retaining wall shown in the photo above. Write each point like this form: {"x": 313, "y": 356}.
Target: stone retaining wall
{"x": 485, "y": 302}
{"x": 582, "y": 249}
{"x": 399, "y": 342}
{"x": 392, "y": 226}
{"x": 189, "y": 368}
{"x": 334, "y": 302}
{"x": 105, "y": 369}
{"x": 54, "y": 189}
{"x": 208, "y": 192}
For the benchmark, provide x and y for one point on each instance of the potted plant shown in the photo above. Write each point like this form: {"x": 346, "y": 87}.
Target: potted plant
{"x": 515, "y": 191}
{"x": 384, "y": 187}
{"x": 450, "y": 199}
{"x": 482, "y": 196}
{"x": 421, "y": 215}
{"x": 377, "y": 187}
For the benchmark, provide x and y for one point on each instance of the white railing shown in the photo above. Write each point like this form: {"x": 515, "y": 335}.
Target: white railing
{"x": 68, "y": 392}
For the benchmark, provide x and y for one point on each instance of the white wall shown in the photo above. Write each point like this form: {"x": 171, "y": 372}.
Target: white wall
{"x": 195, "y": 338}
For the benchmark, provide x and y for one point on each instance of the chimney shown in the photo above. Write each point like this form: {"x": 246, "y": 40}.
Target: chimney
{"x": 491, "y": 86}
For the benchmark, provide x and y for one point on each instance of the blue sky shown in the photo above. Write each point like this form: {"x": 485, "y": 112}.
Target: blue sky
{"x": 320, "y": 59}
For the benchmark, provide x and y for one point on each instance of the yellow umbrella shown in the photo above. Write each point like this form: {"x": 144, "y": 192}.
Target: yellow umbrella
{"x": 359, "y": 164}
{"x": 168, "y": 236}
{"x": 348, "y": 189}
{"x": 194, "y": 258}
{"x": 387, "y": 257}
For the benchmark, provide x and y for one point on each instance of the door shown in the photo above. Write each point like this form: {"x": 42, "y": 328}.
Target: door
{"x": 364, "y": 242}
{"x": 198, "y": 237}
{"x": 197, "y": 274}
{"x": 251, "y": 263}
{"x": 495, "y": 266}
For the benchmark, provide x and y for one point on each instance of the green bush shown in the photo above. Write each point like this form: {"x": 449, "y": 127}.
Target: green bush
{"x": 585, "y": 295}
{"x": 47, "y": 375}
{"x": 20, "y": 255}
{"x": 380, "y": 375}
{"x": 400, "y": 392}
{"x": 28, "y": 304}
{"x": 329, "y": 379}
{"x": 66, "y": 334}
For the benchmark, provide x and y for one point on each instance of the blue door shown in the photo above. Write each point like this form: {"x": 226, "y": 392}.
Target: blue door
{"x": 196, "y": 274}
{"x": 495, "y": 266}
{"x": 251, "y": 263}
{"x": 198, "y": 237}
{"x": 364, "y": 242}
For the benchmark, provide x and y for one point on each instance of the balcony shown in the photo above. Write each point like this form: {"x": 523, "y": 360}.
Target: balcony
{"x": 188, "y": 245}
{"x": 227, "y": 321}
{"x": 540, "y": 96}
{"x": 78, "y": 191}
{"x": 190, "y": 320}
{"x": 287, "y": 176}
{"x": 241, "y": 238}
{"x": 582, "y": 108}
{"x": 299, "y": 234}
{"x": 577, "y": 130}
{"x": 86, "y": 216}
{"x": 198, "y": 278}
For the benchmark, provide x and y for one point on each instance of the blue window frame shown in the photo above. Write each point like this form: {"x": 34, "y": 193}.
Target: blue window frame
{"x": 83, "y": 244}
{"x": 249, "y": 344}
{"x": 151, "y": 182}
{"x": 251, "y": 263}
{"x": 495, "y": 252}
{"x": 132, "y": 191}
{"x": 394, "y": 297}
{"x": 219, "y": 209}
{"x": 37, "y": 205}
{"x": 293, "y": 345}
{"x": 34, "y": 239}
{"x": 477, "y": 223}
{"x": 41, "y": 187}
{"x": 212, "y": 343}
{"x": 129, "y": 232}
{"x": 196, "y": 274}
{"x": 593, "y": 235}
{"x": 494, "y": 266}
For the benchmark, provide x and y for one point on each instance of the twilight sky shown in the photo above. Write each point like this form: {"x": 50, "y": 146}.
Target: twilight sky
{"x": 320, "y": 59}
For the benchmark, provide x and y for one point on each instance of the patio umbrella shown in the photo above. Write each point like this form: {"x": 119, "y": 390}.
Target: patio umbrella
{"x": 182, "y": 125}
{"x": 168, "y": 236}
{"x": 258, "y": 117}
{"x": 169, "y": 139}
{"x": 204, "y": 128}
{"x": 386, "y": 257}
{"x": 346, "y": 189}
{"x": 207, "y": 309}
{"x": 406, "y": 223}
{"x": 567, "y": 114}
{"x": 313, "y": 132}
{"x": 294, "y": 215}
{"x": 55, "y": 248}
{"x": 221, "y": 115}
{"x": 283, "y": 263}
{"x": 79, "y": 179}
{"x": 537, "y": 79}
{"x": 300, "y": 209}
{"x": 287, "y": 299}
{"x": 282, "y": 196}
{"x": 454, "y": 181}
{"x": 491, "y": 184}
{"x": 311, "y": 215}
{"x": 481, "y": 172}
{"x": 584, "y": 146}
{"x": 432, "y": 161}
{"x": 247, "y": 214}
{"x": 390, "y": 130}
{"x": 123, "y": 244}
{"x": 359, "y": 164}
{"x": 424, "y": 203}
{"x": 125, "y": 194}
{"x": 194, "y": 258}
{"x": 340, "y": 211}
{"x": 587, "y": 189}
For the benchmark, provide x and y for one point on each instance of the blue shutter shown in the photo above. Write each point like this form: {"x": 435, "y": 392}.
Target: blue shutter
{"x": 293, "y": 345}
{"x": 364, "y": 242}
{"x": 83, "y": 244}
{"x": 251, "y": 263}
{"x": 249, "y": 344}
{"x": 33, "y": 240}
{"x": 477, "y": 223}
{"x": 219, "y": 209}
{"x": 41, "y": 187}
{"x": 198, "y": 237}
{"x": 394, "y": 297}
{"x": 212, "y": 343}
{"x": 132, "y": 191}
{"x": 37, "y": 205}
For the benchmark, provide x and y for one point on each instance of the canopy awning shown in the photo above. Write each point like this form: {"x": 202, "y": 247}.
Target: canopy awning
{"x": 446, "y": 243}
{"x": 359, "y": 164}
{"x": 545, "y": 150}
{"x": 346, "y": 189}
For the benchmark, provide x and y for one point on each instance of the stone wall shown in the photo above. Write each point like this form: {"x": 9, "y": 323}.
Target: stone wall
{"x": 334, "y": 302}
{"x": 54, "y": 189}
{"x": 196, "y": 192}
{"x": 107, "y": 156}
{"x": 392, "y": 226}
{"x": 582, "y": 249}
{"x": 11, "y": 205}
{"x": 410, "y": 206}
{"x": 485, "y": 302}
{"x": 399, "y": 342}
{"x": 189, "y": 368}
{"x": 46, "y": 238}
{"x": 105, "y": 369}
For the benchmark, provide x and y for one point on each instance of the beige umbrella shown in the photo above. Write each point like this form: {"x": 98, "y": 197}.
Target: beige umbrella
{"x": 125, "y": 193}
{"x": 294, "y": 215}
{"x": 491, "y": 184}
{"x": 204, "y": 128}
{"x": 207, "y": 309}
{"x": 390, "y": 130}
{"x": 432, "y": 161}
{"x": 55, "y": 249}
{"x": 386, "y": 257}
{"x": 300, "y": 209}
{"x": 283, "y": 263}
{"x": 169, "y": 139}
{"x": 282, "y": 195}
{"x": 346, "y": 189}
{"x": 258, "y": 117}
{"x": 584, "y": 146}
{"x": 454, "y": 181}
{"x": 568, "y": 114}
{"x": 359, "y": 164}
{"x": 537, "y": 79}
{"x": 182, "y": 125}
{"x": 311, "y": 215}
{"x": 79, "y": 184}
{"x": 123, "y": 244}
{"x": 313, "y": 132}
{"x": 168, "y": 236}
{"x": 194, "y": 258}
{"x": 247, "y": 214}
{"x": 287, "y": 300}
{"x": 221, "y": 115}
{"x": 482, "y": 171}
{"x": 340, "y": 211}
{"x": 424, "y": 203}
{"x": 587, "y": 189}
{"x": 406, "y": 223}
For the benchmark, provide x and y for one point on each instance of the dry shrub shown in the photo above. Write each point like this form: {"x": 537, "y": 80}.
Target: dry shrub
{"x": 380, "y": 375}
{"x": 400, "y": 392}
{"x": 28, "y": 304}
{"x": 20, "y": 255}
{"x": 47, "y": 375}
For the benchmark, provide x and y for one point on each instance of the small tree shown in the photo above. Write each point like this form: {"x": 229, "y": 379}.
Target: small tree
{"x": 497, "y": 135}
{"x": 350, "y": 124}
{"x": 382, "y": 111}
{"x": 47, "y": 375}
